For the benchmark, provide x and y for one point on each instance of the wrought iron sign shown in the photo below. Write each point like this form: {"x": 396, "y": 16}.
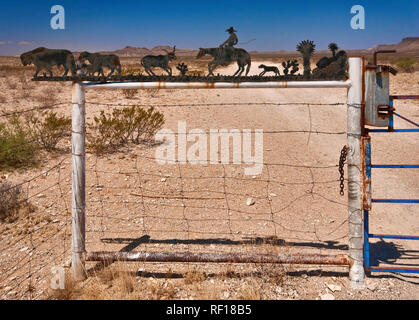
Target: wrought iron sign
{"x": 90, "y": 66}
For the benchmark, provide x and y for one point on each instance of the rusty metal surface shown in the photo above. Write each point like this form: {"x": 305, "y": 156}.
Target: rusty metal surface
{"x": 405, "y": 97}
{"x": 380, "y": 52}
{"x": 377, "y": 95}
{"x": 365, "y": 172}
{"x": 316, "y": 259}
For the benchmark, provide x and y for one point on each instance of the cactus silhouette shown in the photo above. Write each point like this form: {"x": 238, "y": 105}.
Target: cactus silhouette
{"x": 183, "y": 68}
{"x": 306, "y": 48}
{"x": 287, "y": 65}
{"x": 333, "y": 47}
{"x": 294, "y": 65}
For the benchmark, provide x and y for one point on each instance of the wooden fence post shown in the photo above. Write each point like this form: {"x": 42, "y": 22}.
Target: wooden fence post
{"x": 78, "y": 181}
{"x": 356, "y": 232}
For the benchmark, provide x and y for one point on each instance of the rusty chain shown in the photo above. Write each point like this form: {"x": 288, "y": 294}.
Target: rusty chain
{"x": 342, "y": 160}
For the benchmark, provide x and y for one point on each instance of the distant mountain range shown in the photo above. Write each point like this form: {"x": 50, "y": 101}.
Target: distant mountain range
{"x": 129, "y": 51}
{"x": 408, "y": 45}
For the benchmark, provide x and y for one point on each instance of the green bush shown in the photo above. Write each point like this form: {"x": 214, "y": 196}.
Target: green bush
{"x": 17, "y": 146}
{"x": 128, "y": 125}
{"x": 48, "y": 128}
{"x": 22, "y": 138}
{"x": 406, "y": 64}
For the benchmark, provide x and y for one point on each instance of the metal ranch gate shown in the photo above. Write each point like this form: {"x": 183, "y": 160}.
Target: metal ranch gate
{"x": 368, "y": 104}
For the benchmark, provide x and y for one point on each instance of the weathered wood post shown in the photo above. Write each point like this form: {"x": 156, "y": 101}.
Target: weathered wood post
{"x": 356, "y": 233}
{"x": 78, "y": 181}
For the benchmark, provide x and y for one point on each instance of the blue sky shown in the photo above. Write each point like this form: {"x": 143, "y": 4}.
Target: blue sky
{"x": 108, "y": 25}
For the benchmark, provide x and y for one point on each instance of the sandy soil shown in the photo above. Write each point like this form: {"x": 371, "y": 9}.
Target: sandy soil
{"x": 133, "y": 203}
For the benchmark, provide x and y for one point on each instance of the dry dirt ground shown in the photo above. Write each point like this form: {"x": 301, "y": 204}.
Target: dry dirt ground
{"x": 134, "y": 203}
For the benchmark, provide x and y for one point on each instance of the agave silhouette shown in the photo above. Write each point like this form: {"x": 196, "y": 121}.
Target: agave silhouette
{"x": 333, "y": 47}
{"x": 306, "y": 48}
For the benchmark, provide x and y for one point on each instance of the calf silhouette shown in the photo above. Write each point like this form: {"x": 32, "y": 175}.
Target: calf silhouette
{"x": 161, "y": 61}
{"x": 98, "y": 61}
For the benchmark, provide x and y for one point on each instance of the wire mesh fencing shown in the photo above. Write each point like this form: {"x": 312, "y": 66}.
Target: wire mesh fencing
{"x": 133, "y": 203}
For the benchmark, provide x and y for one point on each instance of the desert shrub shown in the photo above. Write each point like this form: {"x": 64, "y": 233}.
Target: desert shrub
{"x": 152, "y": 92}
{"x": 130, "y": 93}
{"x": 132, "y": 70}
{"x": 128, "y": 125}
{"x": 48, "y": 128}
{"x": 12, "y": 201}
{"x": 17, "y": 147}
{"x": 406, "y": 64}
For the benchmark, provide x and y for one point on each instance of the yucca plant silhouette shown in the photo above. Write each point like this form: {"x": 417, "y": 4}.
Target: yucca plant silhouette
{"x": 333, "y": 47}
{"x": 306, "y": 48}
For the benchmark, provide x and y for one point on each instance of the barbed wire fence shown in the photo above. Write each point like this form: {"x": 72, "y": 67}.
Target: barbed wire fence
{"x": 135, "y": 203}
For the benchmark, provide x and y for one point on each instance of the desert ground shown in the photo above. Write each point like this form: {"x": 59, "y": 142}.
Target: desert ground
{"x": 136, "y": 204}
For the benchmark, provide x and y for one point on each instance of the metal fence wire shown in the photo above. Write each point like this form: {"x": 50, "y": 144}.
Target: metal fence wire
{"x": 133, "y": 204}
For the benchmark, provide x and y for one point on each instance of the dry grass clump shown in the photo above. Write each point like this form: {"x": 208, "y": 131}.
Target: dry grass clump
{"x": 130, "y": 93}
{"x": 194, "y": 276}
{"x": 13, "y": 202}
{"x": 153, "y": 92}
{"x": 160, "y": 291}
{"x": 250, "y": 291}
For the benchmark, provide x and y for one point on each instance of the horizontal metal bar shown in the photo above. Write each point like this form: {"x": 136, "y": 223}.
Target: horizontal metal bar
{"x": 395, "y": 130}
{"x": 316, "y": 259}
{"x": 405, "y": 119}
{"x": 402, "y": 97}
{"x": 218, "y": 85}
{"x": 395, "y": 166}
{"x": 388, "y": 236}
{"x": 395, "y": 200}
{"x": 396, "y": 270}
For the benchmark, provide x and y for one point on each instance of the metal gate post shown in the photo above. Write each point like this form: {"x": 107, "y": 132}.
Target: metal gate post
{"x": 78, "y": 181}
{"x": 356, "y": 232}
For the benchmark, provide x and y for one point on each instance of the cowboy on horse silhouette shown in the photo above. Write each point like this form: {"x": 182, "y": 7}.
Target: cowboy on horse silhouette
{"x": 226, "y": 53}
{"x": 229, "y": 44}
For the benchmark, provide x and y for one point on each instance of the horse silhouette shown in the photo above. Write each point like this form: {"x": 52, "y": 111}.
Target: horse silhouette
{"x": 224, "y": 57}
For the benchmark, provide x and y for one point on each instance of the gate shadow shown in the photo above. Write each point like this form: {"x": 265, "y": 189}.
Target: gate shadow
{"x": 391, "y": 254}
{"x": 333, "y": 245}
{"x": 133, "y": 243}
